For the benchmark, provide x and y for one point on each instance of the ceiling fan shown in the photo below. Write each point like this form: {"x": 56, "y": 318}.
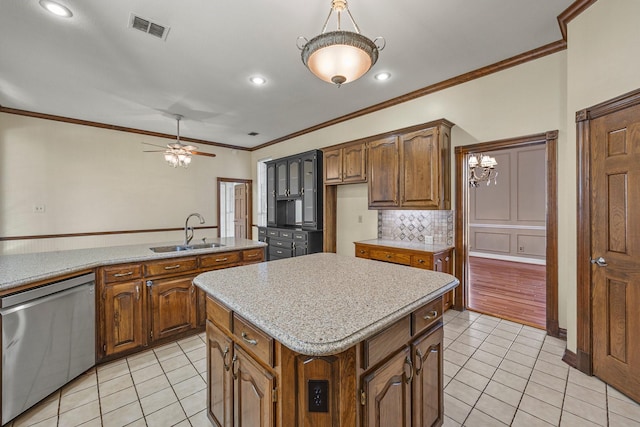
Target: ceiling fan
{"x": 178, "y": 154}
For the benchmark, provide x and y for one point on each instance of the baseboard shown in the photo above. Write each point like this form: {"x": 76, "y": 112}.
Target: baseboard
{"x": 570, "y": 358}
{"x": 562, "y": 334}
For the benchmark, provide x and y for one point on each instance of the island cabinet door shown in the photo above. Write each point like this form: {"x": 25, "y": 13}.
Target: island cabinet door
{"x": 386, "y": 393}
{"x": 427, "y": 385}
{"x": 220, "y": 389}
{"x": 123, "y": 316}
{"x": 173, "y": 306}
{"x": 254, "y": 392}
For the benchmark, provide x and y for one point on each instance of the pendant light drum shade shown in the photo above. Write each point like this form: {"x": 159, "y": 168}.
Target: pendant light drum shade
{"x": 339, "y": 57}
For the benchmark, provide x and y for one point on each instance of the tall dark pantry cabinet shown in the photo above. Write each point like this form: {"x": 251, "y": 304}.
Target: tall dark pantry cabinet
{"x": 294, "y": 206}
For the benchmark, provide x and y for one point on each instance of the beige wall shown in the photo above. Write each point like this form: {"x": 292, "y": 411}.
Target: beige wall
{"x": 92, "y": 179}
{"x": 602, "y": 63}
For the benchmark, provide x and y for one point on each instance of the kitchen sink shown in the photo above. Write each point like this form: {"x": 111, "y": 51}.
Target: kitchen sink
{"x": 178, "y": 248}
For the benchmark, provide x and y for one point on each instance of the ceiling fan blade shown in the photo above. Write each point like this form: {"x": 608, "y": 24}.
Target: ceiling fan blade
{"x": 155, "y": 145}
{"x": 154, "y": 151}
{"x": 200, "y": 153}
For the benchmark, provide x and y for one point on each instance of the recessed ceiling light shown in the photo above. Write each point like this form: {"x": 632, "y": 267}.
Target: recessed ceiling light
{"x": 257, "y": 80}
{"x": 56, "y": 8}
{"x": 382, "y": 76}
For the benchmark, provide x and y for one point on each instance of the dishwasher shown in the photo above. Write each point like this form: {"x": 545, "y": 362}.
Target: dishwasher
{"x": 48, "y": 339}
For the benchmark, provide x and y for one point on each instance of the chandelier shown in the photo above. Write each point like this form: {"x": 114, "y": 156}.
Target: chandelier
{"x": 482, "y": 170}
{"x": 178, "y": 154}
{"x": 340, "y": 56}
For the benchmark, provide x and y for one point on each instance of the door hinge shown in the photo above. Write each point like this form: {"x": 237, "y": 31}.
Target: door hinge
{"x": 151, "y": 333}
{"x": 363, "y": 397}
{"x": 274, "y": 395}
{"x": 104, "y": 348}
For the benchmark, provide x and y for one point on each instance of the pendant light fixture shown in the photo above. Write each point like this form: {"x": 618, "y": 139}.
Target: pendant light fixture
{"x": 340, "y": 56}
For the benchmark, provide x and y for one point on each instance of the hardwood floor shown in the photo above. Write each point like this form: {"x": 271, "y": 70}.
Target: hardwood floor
{"x": 510, "y": 290}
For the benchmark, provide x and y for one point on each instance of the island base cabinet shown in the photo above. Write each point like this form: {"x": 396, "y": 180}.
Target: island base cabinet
{"x": 386, "y": 393}
{"x": 219, "y": 379}
{"x": 124, "y": 310}
{"x": 254, "y": 392}
{"x": 428, "y": 406}
{"x": 173, "y": 306}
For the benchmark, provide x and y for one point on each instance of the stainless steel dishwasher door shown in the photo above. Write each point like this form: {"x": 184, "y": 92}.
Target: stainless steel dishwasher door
{"x": 47, "y": 340}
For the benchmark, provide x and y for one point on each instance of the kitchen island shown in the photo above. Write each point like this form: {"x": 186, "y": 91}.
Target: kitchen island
{"x": 325, "y": 340}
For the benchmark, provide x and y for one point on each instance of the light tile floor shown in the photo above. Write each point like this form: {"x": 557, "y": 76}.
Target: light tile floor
{"x": 497, "y": 373}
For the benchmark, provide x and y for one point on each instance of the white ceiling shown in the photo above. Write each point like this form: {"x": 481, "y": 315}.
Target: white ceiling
{"x": 93, "y": 67}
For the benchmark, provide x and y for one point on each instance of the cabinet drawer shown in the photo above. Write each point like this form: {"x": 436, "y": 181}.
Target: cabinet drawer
{"x": 120, "y": 273}
{"x": 394, "y": 257}
{"x": 299, "y": 237}
{"x": 386, "y": 342}
{"x": 254, "y": 339}
{"x": 253, "y": 255}
{"x": 426, "y": 315}
{"x": 422, "y": 261}
{"x": 262, "y": 231}
{"x": 218, "y": 314}
{"x": 286, "y": 234}
{"x": 170, "y": 266}
{"x": 221, "y": 258}
{"x": 280, "y": 252}
{"x": 272, "y": 233}
{"x": 281, "y": 243}
{"x": 362, "y": 252}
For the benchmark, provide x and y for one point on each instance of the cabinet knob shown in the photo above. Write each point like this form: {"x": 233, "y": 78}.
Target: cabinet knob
{"x": 447, "y": 259}
{"x": 431, "y": 315}
{"x": 362, "y": 251}
{"x": 421, "y": 261}
{"x": 389, "y": 256}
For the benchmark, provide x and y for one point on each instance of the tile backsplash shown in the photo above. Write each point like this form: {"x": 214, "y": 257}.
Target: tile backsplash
{"x": 413, "y": 226}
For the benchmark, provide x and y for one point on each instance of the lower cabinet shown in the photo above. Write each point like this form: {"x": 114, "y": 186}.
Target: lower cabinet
{"x": 172, "y": 306}
{"x": 393, "y": 378}
{"x": 124, "y": 307}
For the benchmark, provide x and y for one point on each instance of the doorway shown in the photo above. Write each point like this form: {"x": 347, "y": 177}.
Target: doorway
{"x": 608, "y": 258}
{"x": 547, "y": 140}
{"x": 234, "y": 208}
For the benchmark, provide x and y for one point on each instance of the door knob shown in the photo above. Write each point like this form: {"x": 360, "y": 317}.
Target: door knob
{"x": 600, "y": 262}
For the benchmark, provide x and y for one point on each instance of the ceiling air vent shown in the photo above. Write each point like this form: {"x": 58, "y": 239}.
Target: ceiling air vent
{"x": 149, "y": 27}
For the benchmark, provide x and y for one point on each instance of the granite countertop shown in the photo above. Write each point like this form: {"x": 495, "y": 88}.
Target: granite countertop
{"x": 324, "y": 303}
{"x": 21, "y": 269}
{"x": 401, "y": 244}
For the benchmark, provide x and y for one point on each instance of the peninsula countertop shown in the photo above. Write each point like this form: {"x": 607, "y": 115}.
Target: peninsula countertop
{"x": 21, "y": 269}
{"x": 322, "y": 304}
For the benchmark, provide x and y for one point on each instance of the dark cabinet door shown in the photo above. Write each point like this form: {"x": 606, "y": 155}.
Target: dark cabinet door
{"x": 309, "y": 200}
{"x": 294, "y": 181}
{"x": 428, "y": 407}
{"x": 271, "y": 194}
{"x": 282, "y": 181}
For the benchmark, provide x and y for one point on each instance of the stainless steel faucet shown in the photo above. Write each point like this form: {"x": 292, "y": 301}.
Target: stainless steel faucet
{"x": 188, "y": 231}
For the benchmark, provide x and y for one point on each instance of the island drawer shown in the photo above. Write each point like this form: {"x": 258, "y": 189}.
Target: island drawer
{"x": 220, "y": 258}
{"x": 254, "y": 339}
{"x": 394, "y": 257}
{"x": 218, "y": 314}
{"x": 426, "y": 315}
{"x": 253, "y": 255}
{"x": 170, "y": 266}
{"x": 121, "y": 273}
{"x": 386, "y": 342}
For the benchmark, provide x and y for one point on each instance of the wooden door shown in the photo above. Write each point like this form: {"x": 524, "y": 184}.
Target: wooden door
{"x": 419, "y": 169}
{"x": 615, "y": 249}
{"x": 332, "y": 166}
{"x": 383, "y": 173}
{"x": 428, "y": 406}
{"x": 219, "y": 380}
{"x": 240, "y": 210}
{"x": 173, "y": 306}
{"x": 124, "y": 319}
{"x": 354, "y": 163}
{"x": 253, "y": 391}
{"x": 388, "y": 393}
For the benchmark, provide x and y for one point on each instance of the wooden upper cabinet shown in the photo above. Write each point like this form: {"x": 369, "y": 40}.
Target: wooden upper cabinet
{"x": 383, "y": 173}
{"x": 420, "y": 169}
{"x": 411, "y": 169}
{"x": 346, "y": 164}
